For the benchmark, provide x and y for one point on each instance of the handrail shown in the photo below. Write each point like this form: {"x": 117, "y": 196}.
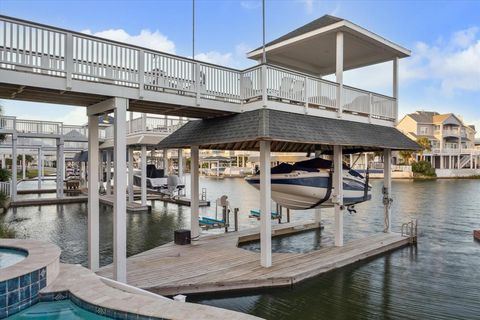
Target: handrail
{"x": 410, "y": 230}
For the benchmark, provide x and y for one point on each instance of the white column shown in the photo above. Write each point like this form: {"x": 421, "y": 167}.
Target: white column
{"x": 180, "y": 164}
{"x": 93, "y": 198}
{"x": 471, "y": 161}
{"x": 338, "y": 194}
{"x": 120, "y": 201}
{"x": 265, "y": 206}
{"x": 60, "y": 162}
{"x": 3, "y": 161}
{"x": 165, "y": 161}
{"x": 24, "y": 167}
{"x": 395, "y": 85}
{"x": 130, "y": 174}
{"x": 339, "y": 71}
{"x": 108, "y": 171}
{"x": 365, "y": 159}
{"x": 14, "y": 168}
{"x": 144, "y": 176}
{"x": 441, "y": 160}
{"x": 194, "y": 192}
{"x": 40, "y": 167}
{"x": 387, "y": 185}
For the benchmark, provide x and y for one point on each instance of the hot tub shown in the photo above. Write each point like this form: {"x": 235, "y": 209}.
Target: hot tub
{"x": 10, "y": 256}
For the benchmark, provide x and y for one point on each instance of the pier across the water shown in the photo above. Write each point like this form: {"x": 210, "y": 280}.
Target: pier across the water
{"x": 216, "y": 263}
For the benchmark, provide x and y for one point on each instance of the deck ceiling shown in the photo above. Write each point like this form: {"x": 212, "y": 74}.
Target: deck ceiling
{"x": 81, "y": 99}
{"x": 288, "y": 132}
{"x": 312, "y": 48}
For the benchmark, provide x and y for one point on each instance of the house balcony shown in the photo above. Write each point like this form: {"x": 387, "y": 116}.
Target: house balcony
{"x": 452, "y": 151}
{"x": 98, "y": 66}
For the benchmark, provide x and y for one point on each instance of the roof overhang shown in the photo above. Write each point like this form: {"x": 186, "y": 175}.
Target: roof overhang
{"x": 288, "y": 132}
{"x": 315, "y": 51}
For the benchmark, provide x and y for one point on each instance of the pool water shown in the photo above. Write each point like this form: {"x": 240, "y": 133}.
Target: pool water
{"x": 10, "y": 256}
{"x": 64, "y": 309}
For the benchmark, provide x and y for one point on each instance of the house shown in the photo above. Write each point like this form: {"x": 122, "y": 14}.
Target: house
{"x": 452, "y": 141}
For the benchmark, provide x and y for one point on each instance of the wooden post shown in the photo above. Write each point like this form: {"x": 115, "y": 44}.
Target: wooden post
{"x": 120, "y": 201}
{"x": 338, "y": 194}
{"x": 144, "y": 176}
{"x": 387, "y": 186}
{"x": 194, "y": 190}
{"x": 93, "y": 199}
{"x": 265, "y": 206}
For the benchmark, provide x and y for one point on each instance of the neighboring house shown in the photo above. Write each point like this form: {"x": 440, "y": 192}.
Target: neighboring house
{"x": 452, "y": 141}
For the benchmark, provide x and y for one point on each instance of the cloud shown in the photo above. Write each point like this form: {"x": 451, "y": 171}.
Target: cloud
{"x": 250, "y": 4}
{"x": 215, "y": 57}
{"x": 308, "y": 5}
{"x": 153, "y": 40}
{"x": 450, "y": 67}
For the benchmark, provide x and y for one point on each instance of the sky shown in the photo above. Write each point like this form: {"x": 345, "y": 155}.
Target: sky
{"x": 442, "y": 74}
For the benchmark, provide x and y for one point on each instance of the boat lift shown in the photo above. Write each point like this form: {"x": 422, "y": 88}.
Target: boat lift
{"x": 213, "y": 223}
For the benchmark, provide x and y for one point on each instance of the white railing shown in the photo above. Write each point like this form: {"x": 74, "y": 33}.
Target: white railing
{"x": 453, "y": 151}
{"x": 30, "y": 47}
{"x": 7, "y": 123}
{"x": 80, "y": 130}
{"x": 164, "y": 125}
{"x": 39, "y": 127}
{"x": 6, "y": 187}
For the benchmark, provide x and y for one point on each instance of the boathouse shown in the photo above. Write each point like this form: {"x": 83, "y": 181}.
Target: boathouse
{"x": 282, "y": 104}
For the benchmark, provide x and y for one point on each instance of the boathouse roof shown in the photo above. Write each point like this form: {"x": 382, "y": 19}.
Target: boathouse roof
{"x": 311, "y": 48}
{"x": 289, "y": 132}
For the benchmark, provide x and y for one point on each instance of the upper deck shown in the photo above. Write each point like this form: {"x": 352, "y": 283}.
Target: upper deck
{"x": 47, "y": 64}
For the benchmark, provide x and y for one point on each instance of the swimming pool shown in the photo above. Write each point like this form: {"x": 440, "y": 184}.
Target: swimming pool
{"x": 10, "y": 256}
{"x": 64, "y": 309}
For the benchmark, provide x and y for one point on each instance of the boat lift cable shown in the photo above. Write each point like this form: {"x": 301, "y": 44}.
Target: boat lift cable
{"x": 328, "y": 193}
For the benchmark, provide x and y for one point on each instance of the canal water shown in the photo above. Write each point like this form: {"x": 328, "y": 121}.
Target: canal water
{"x": 438, "y": 279}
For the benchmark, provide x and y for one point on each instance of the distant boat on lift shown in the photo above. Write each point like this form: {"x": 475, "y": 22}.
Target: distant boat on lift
{"x": 157, "y": 180}
{"x": 308, "y": 184}
{"x": 476, "y": 234}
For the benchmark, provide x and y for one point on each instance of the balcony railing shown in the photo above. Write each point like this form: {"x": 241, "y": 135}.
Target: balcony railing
{"x": 162, "y": 125}
{"x": 30, "y": 47}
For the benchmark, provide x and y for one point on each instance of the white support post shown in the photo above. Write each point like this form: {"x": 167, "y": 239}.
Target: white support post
{"x": 264, "y": 86}
{"x": 69, "y": 67}
{"x": 3, "y": 161}
{"x": 130, "y": 175}
{"x": 395, "y": 86}
{"x": 83, "y": 176}
{"x": 108, "y": 171}
{"x": 194, "y": 192}
{"x": 13, "y": 194}
{"x": 24, "y": 167}
{"x": 120, "y": 201}
{"x": 93, "y": 198}
{"x": 180, "y": 164}
{"x": 387, "y": 190}
{"x": 144, "y": 175}
{"x": 165, "y": 162}
{"x": 60, "y": 163}
{"x": 338, "y": 194}
{"x": 339, "y": 72}
{"x": 144, "y": 122}
{"x": 40, "y": 167}
{"x": 265, "y": 206}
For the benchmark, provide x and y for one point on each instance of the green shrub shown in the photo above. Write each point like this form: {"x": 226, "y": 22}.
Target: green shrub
{"x": 3, "y": 199}
{"x": 424, "y": 168}
{"x": 6, "y": 231}
{"x": 4, "y": 174}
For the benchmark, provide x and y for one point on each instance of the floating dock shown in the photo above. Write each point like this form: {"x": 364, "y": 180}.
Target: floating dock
{"x": 216, "y": 263}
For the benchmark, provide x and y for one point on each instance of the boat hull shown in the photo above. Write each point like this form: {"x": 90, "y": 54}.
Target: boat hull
{"x": 301, "y": 191}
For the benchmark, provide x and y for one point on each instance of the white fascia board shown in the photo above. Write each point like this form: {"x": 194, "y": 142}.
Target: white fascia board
{"x": 329, "y": 28}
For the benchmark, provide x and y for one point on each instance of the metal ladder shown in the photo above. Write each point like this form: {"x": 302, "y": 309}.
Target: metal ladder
{"x": 409, "y": 229}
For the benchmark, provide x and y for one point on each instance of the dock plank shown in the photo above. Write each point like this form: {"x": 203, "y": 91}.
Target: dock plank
{"x": 215, "y": 262}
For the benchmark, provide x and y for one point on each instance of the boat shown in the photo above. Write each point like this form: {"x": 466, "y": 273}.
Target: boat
{"x": 476, "y": 234}
{"x": 158, "y": 181}
{"x": 308, "y": 184}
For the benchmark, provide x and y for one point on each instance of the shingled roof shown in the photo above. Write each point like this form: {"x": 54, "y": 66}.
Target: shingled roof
{"x": 289, "y": 132}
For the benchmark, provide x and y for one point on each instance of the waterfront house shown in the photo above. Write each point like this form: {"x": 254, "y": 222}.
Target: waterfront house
{"x": 452, "y": 140}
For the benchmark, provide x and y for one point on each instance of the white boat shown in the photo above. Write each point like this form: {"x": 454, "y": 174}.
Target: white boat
{"x": 156, "y": 180}
{"x": 308, "y": 184}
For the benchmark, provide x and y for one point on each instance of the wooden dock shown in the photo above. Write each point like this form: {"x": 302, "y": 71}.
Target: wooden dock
{"x": 215, "y": 263}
